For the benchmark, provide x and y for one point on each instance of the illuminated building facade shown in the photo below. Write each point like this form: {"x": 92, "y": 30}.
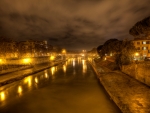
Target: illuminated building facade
{"x": 143, "y": 47}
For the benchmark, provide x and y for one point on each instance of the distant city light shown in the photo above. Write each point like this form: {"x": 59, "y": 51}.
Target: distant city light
{"x": 64, "y": 51}
{"x": 52, "y": 58}
{"x": 26, "y": 60}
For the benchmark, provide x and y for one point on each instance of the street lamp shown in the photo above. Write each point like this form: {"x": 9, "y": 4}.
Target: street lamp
{"x": 136, "y": 54}
{"x": 26, "y": 60}
{"x": 64, "y": 51}
{"x": 52, "y": 58}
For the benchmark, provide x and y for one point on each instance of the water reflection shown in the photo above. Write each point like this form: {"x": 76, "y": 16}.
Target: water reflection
{"x": 74, "y": 62}
{"x": 28, "y": 80}
{"x": 53, "y": 70}
{"x": 46, "y": 75}
{"x": 55, "y": 90}
{"x": 2, "y": 96}
{"x": 20, "y": 90}
{"x": 84, "y": 66}
{"x": 64, "y": 68}
{"x": 36, "y": 80}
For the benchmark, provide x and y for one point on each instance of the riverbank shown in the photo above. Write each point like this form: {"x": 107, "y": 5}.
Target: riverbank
{"x": 130, "y": 95}
{"x": 9, "y": 77}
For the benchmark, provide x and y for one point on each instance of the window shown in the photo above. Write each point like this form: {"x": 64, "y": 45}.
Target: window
{"x": 138, "y": 43}
{"x": 148, "y": 51}
{"x": 144, "y": 48}
{"x": 147, "y": 42}
{"x": 144, "y": 42}
{"x": 138, "y": 48}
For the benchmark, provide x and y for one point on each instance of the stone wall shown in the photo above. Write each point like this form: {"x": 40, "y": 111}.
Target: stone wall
{"x": 139, "y": 71}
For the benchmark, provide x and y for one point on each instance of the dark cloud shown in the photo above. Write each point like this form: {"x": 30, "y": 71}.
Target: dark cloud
{"x": 79, "y": 24}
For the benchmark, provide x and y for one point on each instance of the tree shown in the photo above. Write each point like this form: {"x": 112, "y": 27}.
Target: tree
{"x": 141, "y": 29}
{"x": 123, "y": 51}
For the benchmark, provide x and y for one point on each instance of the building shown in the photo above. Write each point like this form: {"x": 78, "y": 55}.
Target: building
{"x": 143, "y": 47}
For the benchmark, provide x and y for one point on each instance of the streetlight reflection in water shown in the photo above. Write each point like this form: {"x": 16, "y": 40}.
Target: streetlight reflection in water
{"x": 84, "y": 66}
{"x": 28, "y": 80}
{"x": 53, "y": 70}
{"x": 74, "y": 62}
{"x": 36, "y": 80}
{"x": 2, "y": 96}
{"x": 20, "y": 90}
{"x": 64, "y": 68}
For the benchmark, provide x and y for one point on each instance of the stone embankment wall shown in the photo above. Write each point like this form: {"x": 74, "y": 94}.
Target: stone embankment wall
{"x": 139, "y": 71}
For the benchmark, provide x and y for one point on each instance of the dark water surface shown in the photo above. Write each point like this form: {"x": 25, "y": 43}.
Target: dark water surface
{"x": 71, "y": 87}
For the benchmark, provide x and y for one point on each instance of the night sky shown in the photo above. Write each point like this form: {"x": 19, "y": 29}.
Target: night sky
{"x": 72, "y": 24}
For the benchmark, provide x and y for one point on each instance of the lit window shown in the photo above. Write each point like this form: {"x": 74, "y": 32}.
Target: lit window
{"x": 144, "y": 48}
{"x": 144, "y": 42}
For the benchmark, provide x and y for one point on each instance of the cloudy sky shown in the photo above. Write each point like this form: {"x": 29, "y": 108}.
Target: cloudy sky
{"x": 72, "y": 24}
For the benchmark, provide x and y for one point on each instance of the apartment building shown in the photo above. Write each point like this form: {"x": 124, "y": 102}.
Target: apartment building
{"x": 143, "y": 47}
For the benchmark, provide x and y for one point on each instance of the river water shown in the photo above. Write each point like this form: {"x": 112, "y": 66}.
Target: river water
{"x": 71, "y": 87}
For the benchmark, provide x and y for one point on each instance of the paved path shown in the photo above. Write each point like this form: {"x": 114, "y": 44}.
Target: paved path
{"x": 130, "y": 95}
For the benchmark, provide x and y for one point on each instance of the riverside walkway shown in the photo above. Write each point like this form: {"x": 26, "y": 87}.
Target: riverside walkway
{"x": 130, "y": 95}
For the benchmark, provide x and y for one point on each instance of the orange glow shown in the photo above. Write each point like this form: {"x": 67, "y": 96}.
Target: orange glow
{"x": 26, "y": 60}
{"x": 19, "y": 90}
{"x": 2, "y": 96}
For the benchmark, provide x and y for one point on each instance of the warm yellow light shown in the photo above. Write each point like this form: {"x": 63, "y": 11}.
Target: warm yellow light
{"x": 53, "y": 70}
{"x": 1, "y": 61}
{"x": 28, "y": 80}
{"x": 82, "y": 54}
{"x": 84, "y": 66}
{"x": 64, "y": 68}
{"x": 19, "y": 90}
{"x": 36, "y": 80}
{"x": 136, "y": 54}
{"x": 52, "y": 58}
{"x": 64, "y": 51}
{"x": 2, "y": 95}
{"x": 26, "y": 60}
{"x": 46, "y": 75}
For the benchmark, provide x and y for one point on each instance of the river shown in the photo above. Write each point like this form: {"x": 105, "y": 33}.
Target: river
{"x": 71, "y": 87}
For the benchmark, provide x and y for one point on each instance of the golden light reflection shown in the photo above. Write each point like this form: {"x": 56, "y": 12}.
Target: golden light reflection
{"x": 28, "y": 80}
{"x": 36, "y": 80}
{"x": 74, "y": 63}
{"x": 53, "y": 70}
{"x": 46, "y": 75}
{"x": 2, "y": 96}
{"x": 84, "y": 66}
{"x": 20, "y": 90}
{"x": 64, "y": 68}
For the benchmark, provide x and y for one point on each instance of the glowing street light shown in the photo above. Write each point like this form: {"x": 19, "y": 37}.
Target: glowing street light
{"x": 64, "y": 51}
{"x": 26, "y": 60}
{"x": 136, "y": 54}
{"x": 52, "y": 58}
